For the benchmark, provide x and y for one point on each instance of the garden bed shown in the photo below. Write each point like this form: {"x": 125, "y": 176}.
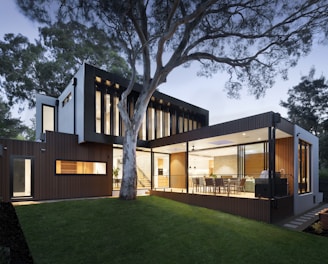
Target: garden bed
{"x": 316, "y": 229}
{"x": 13, "y": 246}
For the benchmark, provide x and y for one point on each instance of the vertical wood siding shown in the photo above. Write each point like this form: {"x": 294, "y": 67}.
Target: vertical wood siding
{"x": 46, "y": 184}
{"x": 285, "y": 159}
{"x": 257, "y": 209}
{"x": 265, "y": 210}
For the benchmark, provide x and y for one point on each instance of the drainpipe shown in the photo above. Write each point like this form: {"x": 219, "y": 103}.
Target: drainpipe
{"x": 276, "y": 118}
{"x": 74, "y": 102}
{"x": 272, "y": 159}
{"x": 56, "y": 116}
{"x": 151, "y": 169}
{"x": 186, "y": 167}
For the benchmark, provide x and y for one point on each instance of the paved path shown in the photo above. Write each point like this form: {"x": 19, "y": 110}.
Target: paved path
{"x": 300, "y": 222}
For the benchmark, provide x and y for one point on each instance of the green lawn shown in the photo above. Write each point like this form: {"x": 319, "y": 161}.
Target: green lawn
{"x": 156, "y": 230}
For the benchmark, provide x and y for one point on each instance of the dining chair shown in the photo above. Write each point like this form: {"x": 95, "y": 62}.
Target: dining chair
{"x": 209, "y": 183}
{"x": 219, "y": 183}
{"x": 201, "y": 184}
{"x": 241, "y": 185}
{"x": 195, "y": 183}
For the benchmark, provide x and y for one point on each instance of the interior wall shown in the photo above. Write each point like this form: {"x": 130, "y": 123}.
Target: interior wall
{"x": 225, "y": 165}
{"x": 178, "y": 170}
{"x": 254, "y": 164}
{"x": 285, "y": 160}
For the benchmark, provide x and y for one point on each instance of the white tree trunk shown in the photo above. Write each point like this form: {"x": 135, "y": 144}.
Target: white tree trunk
{"x": 128, "y": 189}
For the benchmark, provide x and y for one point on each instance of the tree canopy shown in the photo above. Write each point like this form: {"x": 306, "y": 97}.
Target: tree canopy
{"x": 9, "y": 127}
{"x": 252, "y": 40}
{"x": 47, "y": 65}
{"x": 307, "y": 106}
{"x": 307, "y": 103}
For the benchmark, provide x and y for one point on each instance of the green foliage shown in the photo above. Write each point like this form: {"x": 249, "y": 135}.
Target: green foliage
{"x": 20, "y": 62}
{"x": 317, "y": 227}
{"x": 46, "y": 66}
{"x": 115, "y": 172}
{"x": 157, "y": 230}
{"x": 9, "y": 127}
{"x": 252, "y": 41}
{"x": 323, "y": 173}
{"x": 307, "y": 103}
{"x": 307, "y": 107}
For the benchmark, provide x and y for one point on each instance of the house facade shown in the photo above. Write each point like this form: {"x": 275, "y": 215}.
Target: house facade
{"x": 78, "y": 152}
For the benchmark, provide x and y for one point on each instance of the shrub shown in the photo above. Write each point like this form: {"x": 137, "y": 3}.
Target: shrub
{"x": 317, "y": 227}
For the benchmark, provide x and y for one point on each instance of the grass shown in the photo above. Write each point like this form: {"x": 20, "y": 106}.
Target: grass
{"x": 157, "y": 230}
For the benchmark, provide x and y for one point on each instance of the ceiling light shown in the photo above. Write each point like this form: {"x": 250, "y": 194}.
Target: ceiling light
{"x": 222, "y": 142}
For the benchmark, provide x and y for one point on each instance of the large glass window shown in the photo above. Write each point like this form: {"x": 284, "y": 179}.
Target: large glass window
{"x": 227, "y": 162}
{"x": 161, "y": 170}
{"x": 117, "y": 168}
{"x": 180, "y": 124}
{"x": 116, "y": 117}
{"x": 173, "y": 123}
{"x": 159, "y": 123}
{"x": 304, "y": 167}
{"x": 166, "y": 124}
{"x": 98, "y": 112}
{"x": 107, "y": 114}
{"x": 143, "y": 169}
{"x": 48, "y": 118}
{"x": 151, "y": 123}
{"x": 143, "y": 128}
{"x": 256, "y": 159}
{"x": 162, "y": 119}
{"x": 21, "y": 177}
{"x": 209, "y": 162}
{"x": 143, "y": 159}
{"x": 185, "y": 124}
{"x": 80, "y": 167}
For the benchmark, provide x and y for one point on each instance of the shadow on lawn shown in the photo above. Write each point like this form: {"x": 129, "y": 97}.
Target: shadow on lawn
{"x": 13, "y": 246}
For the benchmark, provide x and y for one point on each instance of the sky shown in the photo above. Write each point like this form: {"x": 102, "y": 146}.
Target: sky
{"x": 184, "y": 84}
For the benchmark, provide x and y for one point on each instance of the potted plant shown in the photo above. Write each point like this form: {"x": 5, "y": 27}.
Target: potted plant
{"x": 115, "y": 174}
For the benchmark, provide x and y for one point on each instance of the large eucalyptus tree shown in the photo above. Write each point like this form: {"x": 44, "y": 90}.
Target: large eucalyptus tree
{"x": 252, "y": 40}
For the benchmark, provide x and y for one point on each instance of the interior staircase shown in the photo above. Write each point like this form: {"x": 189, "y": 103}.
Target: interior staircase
{"x": 143, "y": 180}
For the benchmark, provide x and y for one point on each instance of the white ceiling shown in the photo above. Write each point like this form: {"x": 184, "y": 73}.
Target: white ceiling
{"x": 251, "y": 136}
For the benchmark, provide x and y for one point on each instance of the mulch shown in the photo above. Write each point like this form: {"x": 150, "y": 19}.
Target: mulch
{"x": 13, "y": 246}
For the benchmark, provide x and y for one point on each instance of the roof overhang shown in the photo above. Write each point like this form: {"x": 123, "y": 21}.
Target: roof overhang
{"x": 242, "y": 131}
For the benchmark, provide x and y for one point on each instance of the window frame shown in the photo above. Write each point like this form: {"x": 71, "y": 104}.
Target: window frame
{"x": 53, "y": 117}
{"x": 84, "y": 164}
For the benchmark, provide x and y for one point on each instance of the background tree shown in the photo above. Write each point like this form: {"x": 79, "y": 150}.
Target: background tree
{"x": 47, "y": 65}
{"x": 307, "y": 106}
{"x": 252, "y": 40}
{"x": 9, "y": 127}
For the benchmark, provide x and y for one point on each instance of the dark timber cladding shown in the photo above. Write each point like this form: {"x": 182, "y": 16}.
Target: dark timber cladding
{"x": 265, "y": 210}
{"x": 48, "y": 185}
{"x": 97, "y": 80}
{"x": 93, "y": 72}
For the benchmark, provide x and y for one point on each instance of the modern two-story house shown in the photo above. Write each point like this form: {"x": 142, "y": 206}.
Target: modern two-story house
{"x": 268, "y": 167}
